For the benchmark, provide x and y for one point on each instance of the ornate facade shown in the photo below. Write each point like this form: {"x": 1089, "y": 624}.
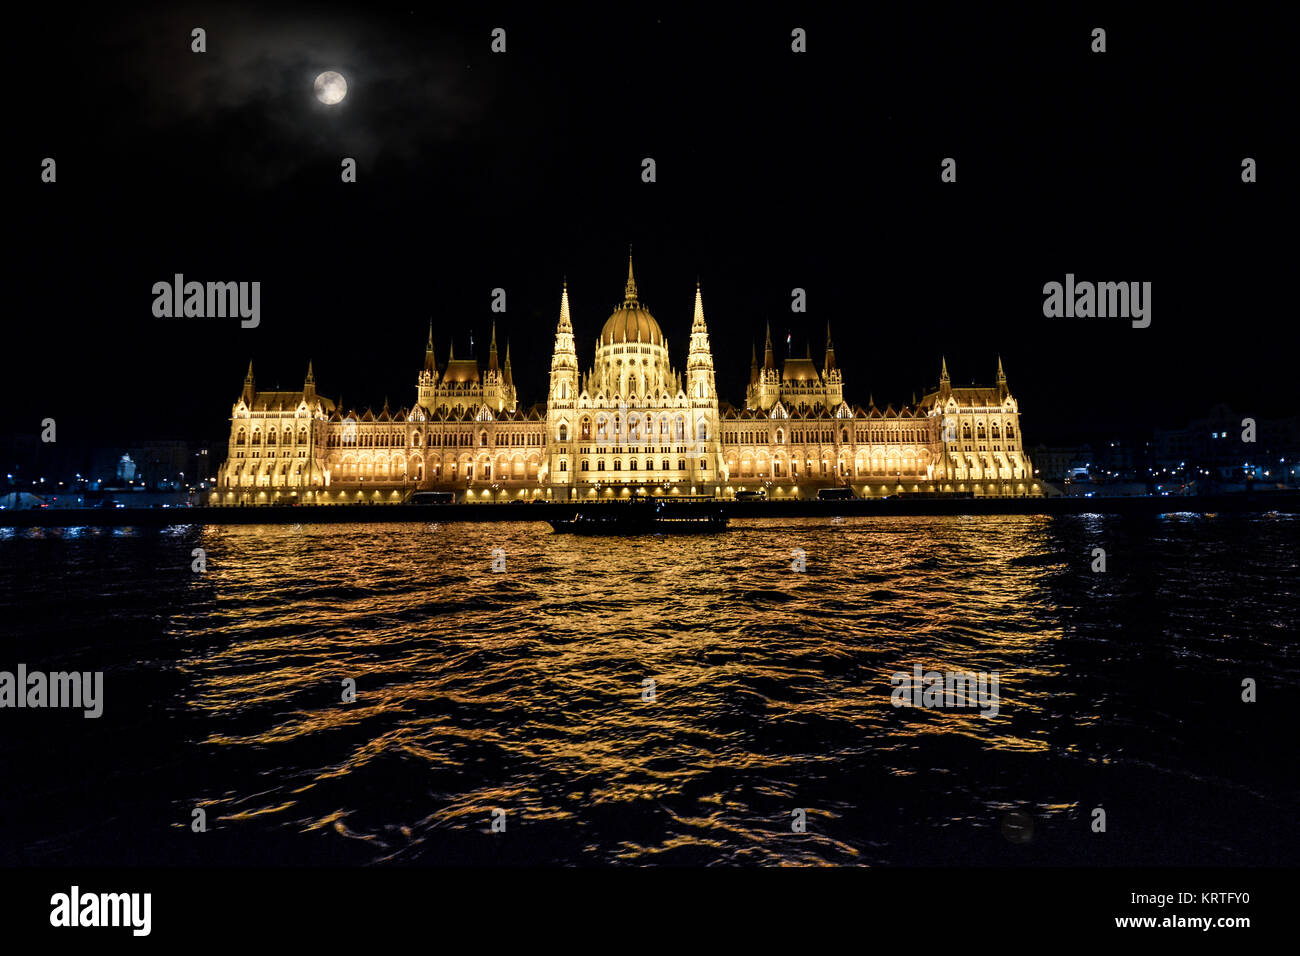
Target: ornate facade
{"x": 630, "y": 423}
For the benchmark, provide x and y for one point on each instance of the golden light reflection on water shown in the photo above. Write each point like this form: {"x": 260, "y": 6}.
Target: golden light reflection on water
{"x": 525, "y": 688}
{"x": 524, "y": 693}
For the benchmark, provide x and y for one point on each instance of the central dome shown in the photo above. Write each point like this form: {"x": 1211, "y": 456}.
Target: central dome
{"x": 631, "y": 321}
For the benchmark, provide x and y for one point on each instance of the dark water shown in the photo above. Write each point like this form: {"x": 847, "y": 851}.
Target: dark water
{"x": 522, "y": 690}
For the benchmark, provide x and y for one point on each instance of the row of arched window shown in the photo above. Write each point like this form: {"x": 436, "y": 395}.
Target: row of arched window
{"x": 632, "y": 465}
{"x": 242, "y": 436}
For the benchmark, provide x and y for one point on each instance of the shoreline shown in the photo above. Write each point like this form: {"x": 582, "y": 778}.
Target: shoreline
{"x": 1253, "y": 502}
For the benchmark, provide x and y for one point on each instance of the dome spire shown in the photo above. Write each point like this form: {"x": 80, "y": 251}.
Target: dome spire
{"x": 630, "y": 293}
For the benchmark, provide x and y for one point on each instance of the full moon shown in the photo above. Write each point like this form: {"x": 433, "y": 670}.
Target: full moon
{"x": 331, "y": 87}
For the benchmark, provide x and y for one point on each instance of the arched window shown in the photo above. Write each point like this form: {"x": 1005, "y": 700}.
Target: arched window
{"x": 780, "y": 437}
{"x": 681, "y": 464}
{"x": 618, "y": 465}
{"x": 564, "y": 433}
{"x": 600, "y": 465}
{"x": 482, "y": 439}
{"x": 583, "y": 466}
{"x": 631, "y": 465}
{"x": 844, "y": 435}
{"x": 666, "y": 465}
{"x": 585, "y": 432}
{"x": 703, "y": 432}
{"x": 564, "y": 465}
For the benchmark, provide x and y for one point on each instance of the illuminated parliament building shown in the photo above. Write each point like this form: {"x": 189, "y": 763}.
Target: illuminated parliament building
{"x": 630, "y": 424}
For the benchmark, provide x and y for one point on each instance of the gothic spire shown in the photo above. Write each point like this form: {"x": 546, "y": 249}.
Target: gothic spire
{"x": 565, "y": 324}
{"x": 430, "y": 364}
{"x": 629, "y": 295}
{"x": 698, "y": 324}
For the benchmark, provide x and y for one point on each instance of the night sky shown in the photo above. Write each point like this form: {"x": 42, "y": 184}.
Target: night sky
{"x": 775, "y": 171}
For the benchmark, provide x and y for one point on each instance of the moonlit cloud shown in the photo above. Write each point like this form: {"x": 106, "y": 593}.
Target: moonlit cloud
{"x": 251, "y": 94}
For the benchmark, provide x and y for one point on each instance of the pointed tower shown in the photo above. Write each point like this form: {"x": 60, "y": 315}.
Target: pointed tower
{"x": 701, "y": 388}
{"x": 507, "y": 378}
{"x": 562, "y": 401}
{"x": 427, "y": 382}
{"x": 945, "y": 384}
{"x": 1002, "y": 382}
{"x": 494, "y": 392}
{"x": 250, "y": 389}
{"x": 707, "y": 464}
{"x": 753, "y": 363}
{"x": 831, "y": 374}
{"x": 767, "y": 392}
{"x": 309, "y": 386}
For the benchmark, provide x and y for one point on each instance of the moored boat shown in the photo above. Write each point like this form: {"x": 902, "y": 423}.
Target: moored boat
{"x": 645, "y": 516}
